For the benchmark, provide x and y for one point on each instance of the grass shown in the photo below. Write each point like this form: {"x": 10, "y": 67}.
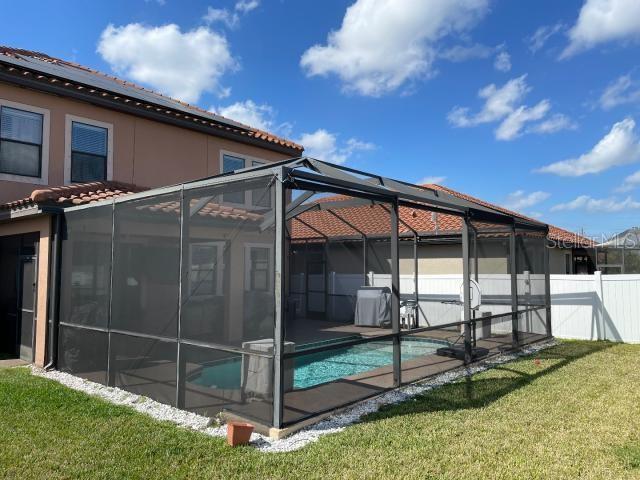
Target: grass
{"x": 575, "y": 413}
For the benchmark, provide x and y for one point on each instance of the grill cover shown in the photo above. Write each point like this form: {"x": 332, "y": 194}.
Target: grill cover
{"x": 373, "y": 307}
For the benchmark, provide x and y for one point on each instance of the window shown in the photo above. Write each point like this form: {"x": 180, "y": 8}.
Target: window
{"x": 260, "y": 197}
{"x": 229, "y": 164}
{"x": 21, "y": 142}
{"x": 206, "y": 269}
{"x": 255, "y": 198}
{"x": 258, "y": 268}
{"x": 88, "y": 152}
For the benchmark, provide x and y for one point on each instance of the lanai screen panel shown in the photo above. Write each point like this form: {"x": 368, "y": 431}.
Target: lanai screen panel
{"x": 490, "y": 266}
{"x": 146, "y": 278}
{"x": 228, "y": 311}
{"x": 338, "y": 302}
{"x": 85, "y": 283}
{"x": 530, "y": 260}
{"x": 337, "y": 247}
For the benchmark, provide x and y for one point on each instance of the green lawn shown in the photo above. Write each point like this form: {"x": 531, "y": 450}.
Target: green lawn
{"x": 574, "y": 414}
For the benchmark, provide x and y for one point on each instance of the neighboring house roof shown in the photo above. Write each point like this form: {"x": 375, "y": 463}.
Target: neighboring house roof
{"x": 555, "y": 233}
{"x": 41, "y": 71}
{"x": 375, "y": 219}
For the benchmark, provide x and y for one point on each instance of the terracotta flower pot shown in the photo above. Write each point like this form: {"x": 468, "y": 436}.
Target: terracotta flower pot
{"x": 238, "y": 433}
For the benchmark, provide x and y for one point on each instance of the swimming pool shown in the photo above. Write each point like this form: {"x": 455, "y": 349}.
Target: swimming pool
{"x": 331, "y": 365}
{"x": 322, "y": 367}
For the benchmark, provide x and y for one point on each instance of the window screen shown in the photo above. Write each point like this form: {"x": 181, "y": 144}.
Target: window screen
{"x": 20, "y": 142}
{"x": 88, "y": 152}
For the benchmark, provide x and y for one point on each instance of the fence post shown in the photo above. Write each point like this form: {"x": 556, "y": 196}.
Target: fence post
{"x": 597, "y": 287}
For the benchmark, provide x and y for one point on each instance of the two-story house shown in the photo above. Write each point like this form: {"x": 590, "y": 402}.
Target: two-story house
{"x": 71, "y": 135}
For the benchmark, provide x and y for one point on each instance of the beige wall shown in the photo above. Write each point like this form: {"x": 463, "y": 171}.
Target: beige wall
{"x": 145, "y": 152}
{"x": 435, "y": 259}
{"x": 42, "y": 225}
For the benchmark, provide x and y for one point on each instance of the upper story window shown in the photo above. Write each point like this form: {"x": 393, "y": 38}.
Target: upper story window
{"x": 21, "y": 142}
{"x": 250, "y": 198}
{"x": 229, "y": 164}
{"x": 88, "y": 150}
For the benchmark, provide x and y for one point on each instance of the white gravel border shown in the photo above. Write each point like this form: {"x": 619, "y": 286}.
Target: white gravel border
{"x": 332, "y": 424}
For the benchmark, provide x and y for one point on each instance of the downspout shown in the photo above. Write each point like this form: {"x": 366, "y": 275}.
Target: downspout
{"x": 54, "y": 292}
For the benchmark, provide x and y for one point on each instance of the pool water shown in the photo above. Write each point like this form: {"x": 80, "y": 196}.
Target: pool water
{"x": 322, "y": 367}
{"x": 331, "y": 365}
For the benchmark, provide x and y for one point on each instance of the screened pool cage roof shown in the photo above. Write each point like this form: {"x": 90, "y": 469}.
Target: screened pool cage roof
{"x": 313, "y": 176}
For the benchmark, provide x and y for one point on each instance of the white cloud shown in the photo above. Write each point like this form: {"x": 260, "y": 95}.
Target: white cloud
{"x": 249, "y": 113}
{"x": 554, "y": 123}
{"x": 462, "y": 53}
{"x": 618, "y": 147}
{"x": 519, "y": 200}
{"x": 619, "y": 92}
{"x": 542, "y": 35}
{"x": 432, "y": 179}
{"x": 631, "y": 182}
{"x": 502, "y": 62}
{"x": 246, "y": 6}
{"x": 323, "y": 145}
{"x": 499, "y": 102}
{"x": 222, "y": 15}
{"x": 180, "y": 64}
{"x": 385, "y": 44}
{"x": 609, "y": 205}
{"x": 230, "y": 18}
{"x": 504, "y": 105}
{"x": 602, "y": 21}
{"x": 511, "y": 127}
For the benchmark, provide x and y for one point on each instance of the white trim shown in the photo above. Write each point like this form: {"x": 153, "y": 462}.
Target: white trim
{"x": 44, "y": 159}
{"x": 247, "y": 264}
{"x": 247, "y": 159}
{"x": 68, "y": 120}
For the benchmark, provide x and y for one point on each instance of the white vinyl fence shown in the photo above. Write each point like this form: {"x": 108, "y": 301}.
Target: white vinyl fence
{"x": 596, "y": 307}
{"x": 590, "y": 307}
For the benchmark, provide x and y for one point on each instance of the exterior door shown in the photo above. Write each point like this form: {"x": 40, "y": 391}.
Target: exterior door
{"x": 26, "y": 305}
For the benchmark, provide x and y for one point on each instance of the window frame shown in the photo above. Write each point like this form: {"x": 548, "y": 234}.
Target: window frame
{"x": 43, "y": 178}
{"x": 252, "y": 162}
{"x": 220, "y": 246}
{"x": 248, "y": 247}
{"x": 68, "y": 132}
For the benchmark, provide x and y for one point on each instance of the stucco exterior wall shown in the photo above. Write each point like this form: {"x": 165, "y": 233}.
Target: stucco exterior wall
{"x": 433, "y": 259}
{"x": 145, "y": 152}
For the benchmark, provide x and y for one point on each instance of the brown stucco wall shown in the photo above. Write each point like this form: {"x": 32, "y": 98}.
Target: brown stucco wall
{"x": 42, "y": 225}
{"x": 145, "y": 152}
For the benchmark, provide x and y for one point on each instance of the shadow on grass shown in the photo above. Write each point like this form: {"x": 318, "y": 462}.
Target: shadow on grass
{"x": 478, "y": 392}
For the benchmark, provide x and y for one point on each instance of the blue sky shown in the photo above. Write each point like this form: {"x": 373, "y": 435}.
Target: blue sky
{"x": 529, "y": 104}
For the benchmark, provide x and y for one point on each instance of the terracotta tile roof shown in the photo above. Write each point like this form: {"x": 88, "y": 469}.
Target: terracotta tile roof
{"x": 555, "y": 233}
{"x": 210, "y": 210}
{"x": 86, "y": 193}
{"x": 375, "y": 219}
{"x": 162, "y": 103}
{"x": 75, "y": 194}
